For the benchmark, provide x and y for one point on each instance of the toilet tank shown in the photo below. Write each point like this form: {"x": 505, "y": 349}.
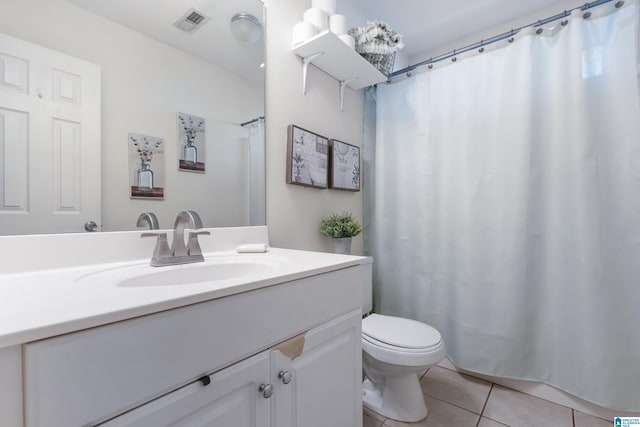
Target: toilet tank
{"x": 367, "y": 287}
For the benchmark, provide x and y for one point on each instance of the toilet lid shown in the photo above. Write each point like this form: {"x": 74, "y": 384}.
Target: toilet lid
{"x": 400, "y": 332}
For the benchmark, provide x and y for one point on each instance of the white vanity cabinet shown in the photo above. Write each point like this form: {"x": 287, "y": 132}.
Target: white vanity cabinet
{"x": 313, "y": 379}
{"x": 300, "y": 339}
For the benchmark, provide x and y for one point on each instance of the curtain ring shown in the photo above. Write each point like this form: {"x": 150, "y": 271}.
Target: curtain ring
{"x": 540, "y": 29}
{"x": 587, "y": 14}
{"x": 454, "y": 59}
{"x": 619, "y": 4}
{"x": 481, "y": 46}
{"x": 430, "y": 66}
{"x": 511, "y": 39}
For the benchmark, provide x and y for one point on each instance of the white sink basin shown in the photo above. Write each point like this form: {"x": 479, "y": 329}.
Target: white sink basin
{"x": 196, "y": 273}
{"x": 213, "y": 269}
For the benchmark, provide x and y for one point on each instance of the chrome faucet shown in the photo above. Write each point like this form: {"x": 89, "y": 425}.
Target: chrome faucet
{"x": 149, "y": 220}
{"x": 179, "y": 253}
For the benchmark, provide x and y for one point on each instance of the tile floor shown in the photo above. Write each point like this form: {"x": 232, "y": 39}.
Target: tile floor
{"x": 458, "y": 400}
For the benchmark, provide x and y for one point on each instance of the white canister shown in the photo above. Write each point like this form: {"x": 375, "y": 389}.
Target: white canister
{"x": 348, "y": 40}
{"x": 302, "y": 32}
{"x": 317, "y": 17}
{"x": 338, "y": 24}
{"x": 328, "y": 6}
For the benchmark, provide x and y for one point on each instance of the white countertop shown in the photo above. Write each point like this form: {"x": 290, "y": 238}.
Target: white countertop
{"x": 48, "y": 302}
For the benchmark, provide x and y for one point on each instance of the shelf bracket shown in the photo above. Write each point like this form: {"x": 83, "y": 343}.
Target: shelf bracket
{"x": 343, "y": 84}
{"x": 305, "y": 65}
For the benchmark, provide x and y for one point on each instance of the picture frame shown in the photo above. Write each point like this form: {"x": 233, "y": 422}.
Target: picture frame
{"x": 146, "y": 167}
{"x": 307, "y": 158}
{"x": 191, "y": 143}
{"x": 344, "y": 166}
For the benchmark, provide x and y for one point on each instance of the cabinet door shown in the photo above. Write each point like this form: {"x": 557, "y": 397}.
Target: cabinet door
{"x": 231, "y": 399}
{"x": 318, "y": 376}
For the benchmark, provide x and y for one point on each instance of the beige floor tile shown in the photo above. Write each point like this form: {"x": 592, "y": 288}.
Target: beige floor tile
{"x": 584, "y": 420}
{"x": 520, "y": 410}
{"x": 441, "y": 414}
{"x": 369, "y": 421}
{"x": 458, "y": 389}
{"x": 372, "y": 414}
{"x": 486, "y": 422}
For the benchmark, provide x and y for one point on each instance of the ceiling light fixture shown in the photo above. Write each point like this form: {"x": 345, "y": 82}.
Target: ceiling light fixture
{"x": 246, "y": 27}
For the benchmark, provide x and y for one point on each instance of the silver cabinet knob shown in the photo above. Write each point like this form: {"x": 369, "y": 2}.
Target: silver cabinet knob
{"x": 285, "y": 376}
{"x": 266, "y": 390}
{"x": 90, "y": 226}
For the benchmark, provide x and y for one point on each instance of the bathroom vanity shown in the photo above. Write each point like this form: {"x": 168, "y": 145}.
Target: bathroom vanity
{"x": 269, "y": 339}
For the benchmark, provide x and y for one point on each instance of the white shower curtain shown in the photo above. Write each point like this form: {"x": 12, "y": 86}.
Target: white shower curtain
{"x": 504, "y": 206}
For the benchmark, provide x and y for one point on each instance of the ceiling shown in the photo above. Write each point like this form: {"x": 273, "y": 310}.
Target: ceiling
{"x": 430, "y": 24}
{"x": 213, "y": 42}
{"x": 426, "y": 24}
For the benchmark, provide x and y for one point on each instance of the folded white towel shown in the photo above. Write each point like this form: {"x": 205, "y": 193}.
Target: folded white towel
{"x": 252, "y": 248}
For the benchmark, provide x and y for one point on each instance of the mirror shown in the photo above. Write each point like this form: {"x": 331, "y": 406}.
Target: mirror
{"x": 150, "y": 75}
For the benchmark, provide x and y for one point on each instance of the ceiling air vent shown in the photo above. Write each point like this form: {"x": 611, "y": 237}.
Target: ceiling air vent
{"x": 191, "y": 21}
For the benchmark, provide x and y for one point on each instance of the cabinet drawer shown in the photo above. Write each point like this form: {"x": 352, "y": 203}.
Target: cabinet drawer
{"x": 231, "y": 399}
{"x": 87, "y": 377}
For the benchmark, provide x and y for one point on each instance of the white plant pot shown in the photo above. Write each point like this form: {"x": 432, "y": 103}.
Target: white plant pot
{"x": 342, "y": 245}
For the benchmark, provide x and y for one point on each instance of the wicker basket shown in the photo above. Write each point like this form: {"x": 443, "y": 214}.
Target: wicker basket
{"x": 382, "y": 61}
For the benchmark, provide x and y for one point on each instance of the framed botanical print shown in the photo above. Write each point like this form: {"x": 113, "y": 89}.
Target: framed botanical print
{"x": 191, "y": 143}
{"x": 344, "y": 166}
{"x": 307, "y": 158}
{"x": 146, "y": 166}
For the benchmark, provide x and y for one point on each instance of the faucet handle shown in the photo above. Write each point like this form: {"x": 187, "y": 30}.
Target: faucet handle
{"x": 193, "y": 246}
{"x": 162, "y": 247}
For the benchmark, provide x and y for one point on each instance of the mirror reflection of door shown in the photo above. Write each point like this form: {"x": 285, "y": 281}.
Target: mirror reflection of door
{"x": 49, "y": 104}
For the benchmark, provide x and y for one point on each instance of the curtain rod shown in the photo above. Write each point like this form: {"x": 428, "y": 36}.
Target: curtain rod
{"x": 252, "y": 121}
{"x": 480, "y": 45}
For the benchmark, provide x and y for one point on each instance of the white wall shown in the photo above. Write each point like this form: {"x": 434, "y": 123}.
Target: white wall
{"x": 294, "y": 212}
{"x": 144, "y": 84}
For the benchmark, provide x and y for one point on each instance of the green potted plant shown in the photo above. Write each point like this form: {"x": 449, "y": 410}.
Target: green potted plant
{"x": 341, "y": 227}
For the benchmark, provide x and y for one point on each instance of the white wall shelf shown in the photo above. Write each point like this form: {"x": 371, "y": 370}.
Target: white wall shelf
{"x": 327, "y": 52}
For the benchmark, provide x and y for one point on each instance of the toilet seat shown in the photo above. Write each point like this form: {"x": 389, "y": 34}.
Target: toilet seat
{"x": 400, "y": 341}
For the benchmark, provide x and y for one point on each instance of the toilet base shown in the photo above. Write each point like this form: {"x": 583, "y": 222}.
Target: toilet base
{"x": 403, "y": 399}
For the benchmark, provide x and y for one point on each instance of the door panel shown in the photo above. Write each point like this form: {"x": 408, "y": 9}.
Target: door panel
{"x": 49, "y": 140}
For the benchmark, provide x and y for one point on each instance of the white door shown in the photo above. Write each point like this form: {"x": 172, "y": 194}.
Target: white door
{"x": 318, "y": 376}
{"x": 232, "y": 398}
{"x": 49, "y": 140}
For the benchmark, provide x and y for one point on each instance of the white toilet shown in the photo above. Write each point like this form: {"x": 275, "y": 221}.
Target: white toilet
{"x": 395, "y": 351}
